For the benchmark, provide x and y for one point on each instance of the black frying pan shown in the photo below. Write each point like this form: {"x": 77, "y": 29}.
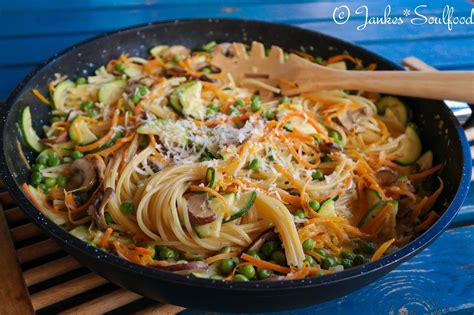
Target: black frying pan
{"x": 439, "y": 131}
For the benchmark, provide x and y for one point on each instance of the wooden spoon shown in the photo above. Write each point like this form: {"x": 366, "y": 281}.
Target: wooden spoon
{"x": 297, "y": 75}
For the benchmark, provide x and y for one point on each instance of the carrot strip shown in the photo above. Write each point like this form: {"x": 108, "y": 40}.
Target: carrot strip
{"x": 104, "y": 242}
{"x": 430, "y": 219}
{"x": 425, "y": 173}
{"x": 118, "y": 144}
{"x": 217, "y": 257}
{"x": 379, "y": 252}
{"x": 289, "y": 177}
{"x": 40, "y": 96}
{"x": 265, "y": 264}
{"x": 337, "y": 58}
{"x": 427, "y": 202}
{"x": 377, "y": 221}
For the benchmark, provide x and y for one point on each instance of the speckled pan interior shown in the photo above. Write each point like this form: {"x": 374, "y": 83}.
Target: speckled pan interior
{"x": 438, "y": 128}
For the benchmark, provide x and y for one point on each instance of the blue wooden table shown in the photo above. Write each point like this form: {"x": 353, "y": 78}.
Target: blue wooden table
{"x": 441, "y": 278}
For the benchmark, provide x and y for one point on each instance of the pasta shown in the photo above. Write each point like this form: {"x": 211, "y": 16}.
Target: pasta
{"x": 168, "y": 164}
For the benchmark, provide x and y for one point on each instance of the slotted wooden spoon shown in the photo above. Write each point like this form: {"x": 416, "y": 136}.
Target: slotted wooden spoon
{"x": 297, "y": 75}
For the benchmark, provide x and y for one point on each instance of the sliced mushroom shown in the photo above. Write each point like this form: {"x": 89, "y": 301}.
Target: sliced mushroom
{"x": 386, "y": 176}
{"x": 61, "y": 138}
{"x": 350, "y": 118}
{"x": 180, "y": 265}
{"x": 135, "y": 83}
{"x": 268, "y": 235}
{"x": 176, "y": 50}
{"x": 99, "y": 206}
{"x": 84, "y": 175}
{"x": 199, "y": 211}
{"x": 224, "y": 48}
{"x": 329, "y": 147}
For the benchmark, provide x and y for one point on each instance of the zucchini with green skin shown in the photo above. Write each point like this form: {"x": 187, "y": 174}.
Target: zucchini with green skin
{"x": 239, "y": 204}
{"x": 425, "y": 161}
{"x": 111, "y": 91}
{"x": 211, "y": 177}
{"x": 212, "y": 229}
{"x": 396, "y": 106}
{"x": 186, "y": 100}
{"x": 60, "y": 93}
{"x": 409, "y": 148}
{"x": 56, "y": 218}
{"x": 28, "y": 133}
{"x": 328, "y": 208}
{"x": 157, "y": 50}
{"x": 79, "y": 131}
{"x": 133, "y": 70}
{"x": 373, "y": 197}
{"x": 375, "y": 209}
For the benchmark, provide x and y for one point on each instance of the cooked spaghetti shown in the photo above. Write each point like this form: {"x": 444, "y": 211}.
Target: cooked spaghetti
{"x": 165, "y": 163}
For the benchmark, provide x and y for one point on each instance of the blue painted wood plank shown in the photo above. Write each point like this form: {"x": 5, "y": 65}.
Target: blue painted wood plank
{"x": 438, "y": 280}
{"x": 29, "y": 23}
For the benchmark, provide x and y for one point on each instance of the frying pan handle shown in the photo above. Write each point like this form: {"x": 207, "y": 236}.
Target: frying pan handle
{"x": 460, "y": 110}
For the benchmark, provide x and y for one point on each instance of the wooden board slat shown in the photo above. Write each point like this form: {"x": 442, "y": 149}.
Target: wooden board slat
{"x": 50, "y": 270}
{"x": 14, "y": 215}
{"x": 165, "y": 309}
{"x": 66, "y": 290}
{"x": 105, "y": 303}
{"x": 14, "y": 298}
{"x": 37, "y": 250}
{"x": 24, "y": 232}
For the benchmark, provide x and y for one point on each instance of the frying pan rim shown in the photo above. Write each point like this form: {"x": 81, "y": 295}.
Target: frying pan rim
{"x": 68, "y": 240}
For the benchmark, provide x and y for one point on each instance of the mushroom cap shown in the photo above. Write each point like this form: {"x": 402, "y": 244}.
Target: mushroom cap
{"x": 84, "y": 175}
{"x": 199, "y": 211}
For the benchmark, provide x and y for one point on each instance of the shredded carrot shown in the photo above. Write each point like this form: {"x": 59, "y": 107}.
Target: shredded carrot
{"x": 288, "y": 176}
{"x": 217, "y": 257}
{"x": 152, "y": 64}
{"x": 118, "y": 144}
{"x": 425, "y": 173}
{"x": 377, "y": 222}
{"x": 265, "y": 264}
{"x": 430, "y": 219}
{"x": 104, "y": 242}
{"x": 337, "y": 58}
{"x": 40, "y": 96}
{"x": 379, "y": 252}
{"x": 427, "y": 202}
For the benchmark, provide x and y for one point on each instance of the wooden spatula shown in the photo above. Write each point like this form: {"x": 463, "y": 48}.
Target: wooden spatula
{"x": 297, "y": 75}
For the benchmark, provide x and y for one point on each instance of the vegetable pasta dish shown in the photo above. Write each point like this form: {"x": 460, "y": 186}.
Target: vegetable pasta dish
{"x": 166, "y": 163}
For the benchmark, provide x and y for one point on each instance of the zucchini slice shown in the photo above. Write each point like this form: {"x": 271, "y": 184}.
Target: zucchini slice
{"x": 410, "y": 147}
{"x": 212, "y": 229}
{"x": 239, "y": 204}
{"x": 373, "y": 197}
{"x": 425, "y": 161}
{"x": 396, "y": 106}
{"x": 372, "y": 212}
{"x": 133, "y": 70}
{"x": 56, "y": 218}
{"x": 28, "y": 133}
{"x": 157, "y": 50}
{"x": 60, "y": 93}
{"x": 340, "y": 65}
{"x": 328, "y": 208}
{"x": 186, "y": 100}
{"x": 211, "y": 177}
{"x": 111, "y": 91}
{"x": 79, "y": 131}
{"x": 82, "y": 233}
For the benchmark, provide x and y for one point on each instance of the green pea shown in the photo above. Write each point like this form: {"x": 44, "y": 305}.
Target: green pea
{"x": 367, "y": 247}
{"x": 299, "y": 214}
{"x": 285, "y": 56}
{"x": 308, "y": 244}
{"x": 53, "y": 160}
{"x": 126, "y": 207}
{"x": 176, "y": 59}
{"x": 142, "y": 90}
{"x": 206, "y": 70}
{"x": 233, "y": 111}
{"x": 54, "y": 119}
{"x": 255, "y": 165}
{"x": 87, "y": 105}
{"x": 310, "y": 260}
{"x": 135, "y": 98}
{"x": 348, "y": 255}
{"x": 269, "y": 247}
{"x": 335, "y": 135}
{"x": 314, "y": 205}
{"x": 327, "y": 159}
{"x": 120, "y": 67}
{"x": 263, "y": 274}
{"x": 321, "y": 252}
{"x": 360, "y": 260}
{"x": 61, "y": 180}
{"x": 43, "y": 187}
{"x": 319, "y": 59}
{"x": 42, "y": 159}
{"x": 317, "y": 175}
{"x": 255, "y": 106}
{"x": 247, "y": 270}
{"x": 328, "y": 262}
{"x": 216, "y": 277}
{"x": 38, "y": 167}
{"x": 279, "y": 257}
{"x": 50, "y": 182}
{"x": 214, "y": 106}
{"x": 210, "y": 112}
{"x": 284, "y": 99}
{"x": 239, "y": 277}
{"x": 81, "y": 80}
{"x": 140, "y": 182}
{"x": 346, "y": 263}
{"x": 225, "y": 250}
{"x": 268, "y": 114}
{"x": 255, "y": 98}
{"x": 253, "y": 253}
{"x": 167, "y": 253}
{"x": 318, "y": 140}
{"x": 107, "y": 216}
{"x": 76, "y": 155}
{"x": 239, "y": 103}
{"x": 226, "y": 266}
{"x": 92, "y": 114}
{"x": 36, "y": 178}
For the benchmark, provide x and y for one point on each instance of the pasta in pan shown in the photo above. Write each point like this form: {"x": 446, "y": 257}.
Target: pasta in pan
{"x": 168, "y": 164}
